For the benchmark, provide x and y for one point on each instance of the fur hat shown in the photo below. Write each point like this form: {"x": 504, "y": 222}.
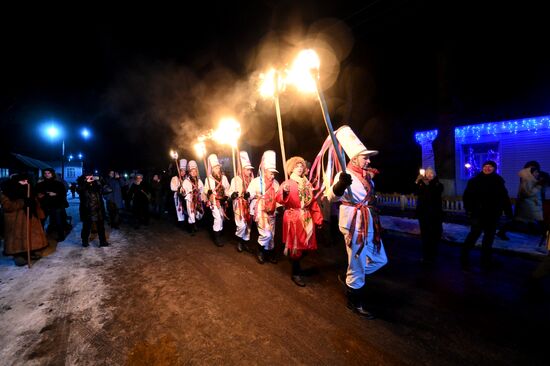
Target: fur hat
{"x": 491, "y": 163}
{"x": 293, "y": 161}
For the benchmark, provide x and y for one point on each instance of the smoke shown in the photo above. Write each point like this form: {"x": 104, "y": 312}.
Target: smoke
{"x": 164, "y": 105}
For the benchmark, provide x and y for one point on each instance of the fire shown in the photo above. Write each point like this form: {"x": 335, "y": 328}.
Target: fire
{"x": 173, "y": 154}
{"x": 200, "y": 149}
{"x": 304, "y": 68}
{"x": 269, "y": 84}
{"x": 228, "y": 132}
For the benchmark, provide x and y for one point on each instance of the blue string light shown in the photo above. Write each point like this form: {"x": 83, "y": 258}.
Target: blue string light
{"x": 425, "y": 136}
{"x": 504, "y": 127}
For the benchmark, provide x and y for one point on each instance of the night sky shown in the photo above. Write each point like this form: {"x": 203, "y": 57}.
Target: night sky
{"x": 146, "y": 78}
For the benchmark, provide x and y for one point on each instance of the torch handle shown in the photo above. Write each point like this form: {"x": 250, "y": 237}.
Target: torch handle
{"x": 280, "y": 124}
{"x": 330, "y": 129}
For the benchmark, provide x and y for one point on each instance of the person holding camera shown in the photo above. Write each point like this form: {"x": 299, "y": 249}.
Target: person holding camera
{"x": 140, "y": 196}
{"x": 429, "y": 210}
{"x": 217, "y": 191}
{"x": 239, "y": 198}
{"x": 92, "y": 208}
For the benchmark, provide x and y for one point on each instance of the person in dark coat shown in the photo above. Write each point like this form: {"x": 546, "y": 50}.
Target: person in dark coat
{"x": 53, "y": 199}
{"x": 485, "y": 198}
{"x": 140, "y": 195}
{"x": 114, "y": 198}
{"x": 430, "y": 213}
{"x": 92, "y": 209}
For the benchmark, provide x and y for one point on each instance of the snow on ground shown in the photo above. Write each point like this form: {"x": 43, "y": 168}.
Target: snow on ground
{"x": 457, "y": 233}
{"x": 38, "y": 304}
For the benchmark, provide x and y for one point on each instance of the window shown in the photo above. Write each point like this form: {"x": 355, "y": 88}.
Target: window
{"x": 474, "y": 155}
{"x": 70, "y": 173}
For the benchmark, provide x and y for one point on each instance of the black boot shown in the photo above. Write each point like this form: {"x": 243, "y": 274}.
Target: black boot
{"x": 296, "y": 272}
{"x": 194, "y": 229}
{"x": 217, "y": 238}
{"x": 104, "y": 244}
{"x": 239, "y": 245}
{"x": 261, "y": 255}
{"x": 271, "y": 256}
{"x": 355, "y": 303}
{"x": 85, "y": 243}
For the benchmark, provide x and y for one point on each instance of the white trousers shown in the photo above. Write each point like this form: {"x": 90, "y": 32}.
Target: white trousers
{"x": 179, "y": 207}
{"x": 267, "y": 234}
{"x": 243, "y": 229}
{"x": 217, "y": 213}
{"x": 369, "y": 261}
{"x": 192, "y": 216}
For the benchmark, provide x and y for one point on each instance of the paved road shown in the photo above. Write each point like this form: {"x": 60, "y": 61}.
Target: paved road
{"x": 171, "y": 298}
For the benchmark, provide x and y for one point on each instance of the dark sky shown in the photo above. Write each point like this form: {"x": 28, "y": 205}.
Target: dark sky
{"x": 133, "y": 74}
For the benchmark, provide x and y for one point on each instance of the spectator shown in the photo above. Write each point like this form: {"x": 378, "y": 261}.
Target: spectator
{"x": 140, "y": 196}
{"x": 430, "y": 213}
{"x": 485, "y": 198}
{"x": 15, "y": 202}
{"x": 92, "y": 209}
{"x": 114, "y": 199}
{"x": 156, "y": 196}
{"x": 52, "y": 196}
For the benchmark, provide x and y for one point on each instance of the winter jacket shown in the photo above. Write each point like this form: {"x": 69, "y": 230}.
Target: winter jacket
{"x": 487, "y": 196}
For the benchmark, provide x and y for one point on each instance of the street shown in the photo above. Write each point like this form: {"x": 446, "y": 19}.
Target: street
{"x": 161, "y": 296}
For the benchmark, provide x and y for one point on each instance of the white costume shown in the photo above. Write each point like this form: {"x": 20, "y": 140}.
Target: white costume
{"x": 219, "y": 189}
{"x": 263, "y": 203}
{"x": 193, "y": 196}
{"x": 363, "y": 257}
{"x": 176, "y": 185}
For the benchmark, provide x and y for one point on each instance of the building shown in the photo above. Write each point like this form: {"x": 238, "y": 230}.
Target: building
{"x": 509, "y": 143}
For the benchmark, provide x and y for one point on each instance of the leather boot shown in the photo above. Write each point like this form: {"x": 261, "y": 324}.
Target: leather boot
{"x": 261, "y": 255}
{"x": 355, "y": 303}
{"x": 217, "y": 238}
{"x": 239, "y": 245}
{"x": 271, "y": 256}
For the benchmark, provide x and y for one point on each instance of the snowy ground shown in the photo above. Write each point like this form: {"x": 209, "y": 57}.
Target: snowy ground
{"x": 456, "y": 233}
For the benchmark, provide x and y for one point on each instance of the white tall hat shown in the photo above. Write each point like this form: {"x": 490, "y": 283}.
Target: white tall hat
{"x": 269, "y": 161}
{"x": 245, "y": 160}
{"x": 213, "y": 160}
{"x": 351, "y": 143}
{"x": 192, "y": 165}
{"x": 183, "y": 164}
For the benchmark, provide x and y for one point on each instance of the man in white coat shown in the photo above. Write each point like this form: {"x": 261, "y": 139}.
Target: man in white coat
{"x": 176, "y": 185}
{"x": 239, "y": 198}
{"x": 193, "y": 196}
{"x": 358, "y": 221}
{"x": 263, "y": 193}
{"x": 216, "y": 188}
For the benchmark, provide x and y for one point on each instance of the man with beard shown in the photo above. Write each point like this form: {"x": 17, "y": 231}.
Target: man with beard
{"x": 217, "y": 192}
{"x": 485, "y": 198}
{"x": 263, "y": 191}
{"x": 358, "y": 218}
{"x": 92, "y": 209}
{"x": 53, "y": 200}
{"x": 193, "y": 188}
{"x": 239, "y": 197}
{"x": 15, "y": 202}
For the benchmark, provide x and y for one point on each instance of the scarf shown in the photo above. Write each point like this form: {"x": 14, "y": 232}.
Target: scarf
{"x": 364, "y": 206}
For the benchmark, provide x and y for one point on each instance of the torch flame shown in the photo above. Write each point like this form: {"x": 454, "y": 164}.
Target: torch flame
{"x": 200, "y": 149}
{"x": 303, "y": 69}
{"x": 268, "y": 86}
{"x": 174, "y": 154}
{"x": 228, "y": 132}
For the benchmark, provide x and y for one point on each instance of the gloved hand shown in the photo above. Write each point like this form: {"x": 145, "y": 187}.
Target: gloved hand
{"x": 246, "y": 195}
{"x": 209, "y": 193}
{"x": 344, "y": 181}
{"x": 28, "y": 202}
{"x": 234, "y": 195}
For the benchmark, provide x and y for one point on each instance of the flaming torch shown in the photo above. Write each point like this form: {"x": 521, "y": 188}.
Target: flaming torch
{"x": 228, "y": 133}
{"x": 174, "y": 155}
{"x": 304, "y": 75}
{"x": 272, "y": 84}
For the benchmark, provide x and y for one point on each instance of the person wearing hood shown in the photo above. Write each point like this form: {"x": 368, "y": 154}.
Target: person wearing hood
{"x": 15, "y": 202}
{"x": 53, "y": 199}
{"x": 485, "y": 199}
{"x": 429, "y": 210}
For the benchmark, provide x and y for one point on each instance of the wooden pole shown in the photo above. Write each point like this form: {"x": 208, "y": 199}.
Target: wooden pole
{"x": 280, "y": 124}
{"x": 328, "y": 124}
{"x": 28, "y": 226}
{"x": 234, "y": 166}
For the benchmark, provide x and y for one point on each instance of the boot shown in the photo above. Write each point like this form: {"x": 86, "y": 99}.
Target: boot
{"x": 85, "y": 243}
{"x": 296, "y": 271}
{"x": 217, "y": 238}
{"x": 355, "y": 303}
{"x": 194, "y": 229}
{"x": 244, "y": 244}
{"x": 261, "y": 255}
{"x": 271, "y": 256}
{"x": 239, "y": 245}
{"x": 104, "y": 244}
